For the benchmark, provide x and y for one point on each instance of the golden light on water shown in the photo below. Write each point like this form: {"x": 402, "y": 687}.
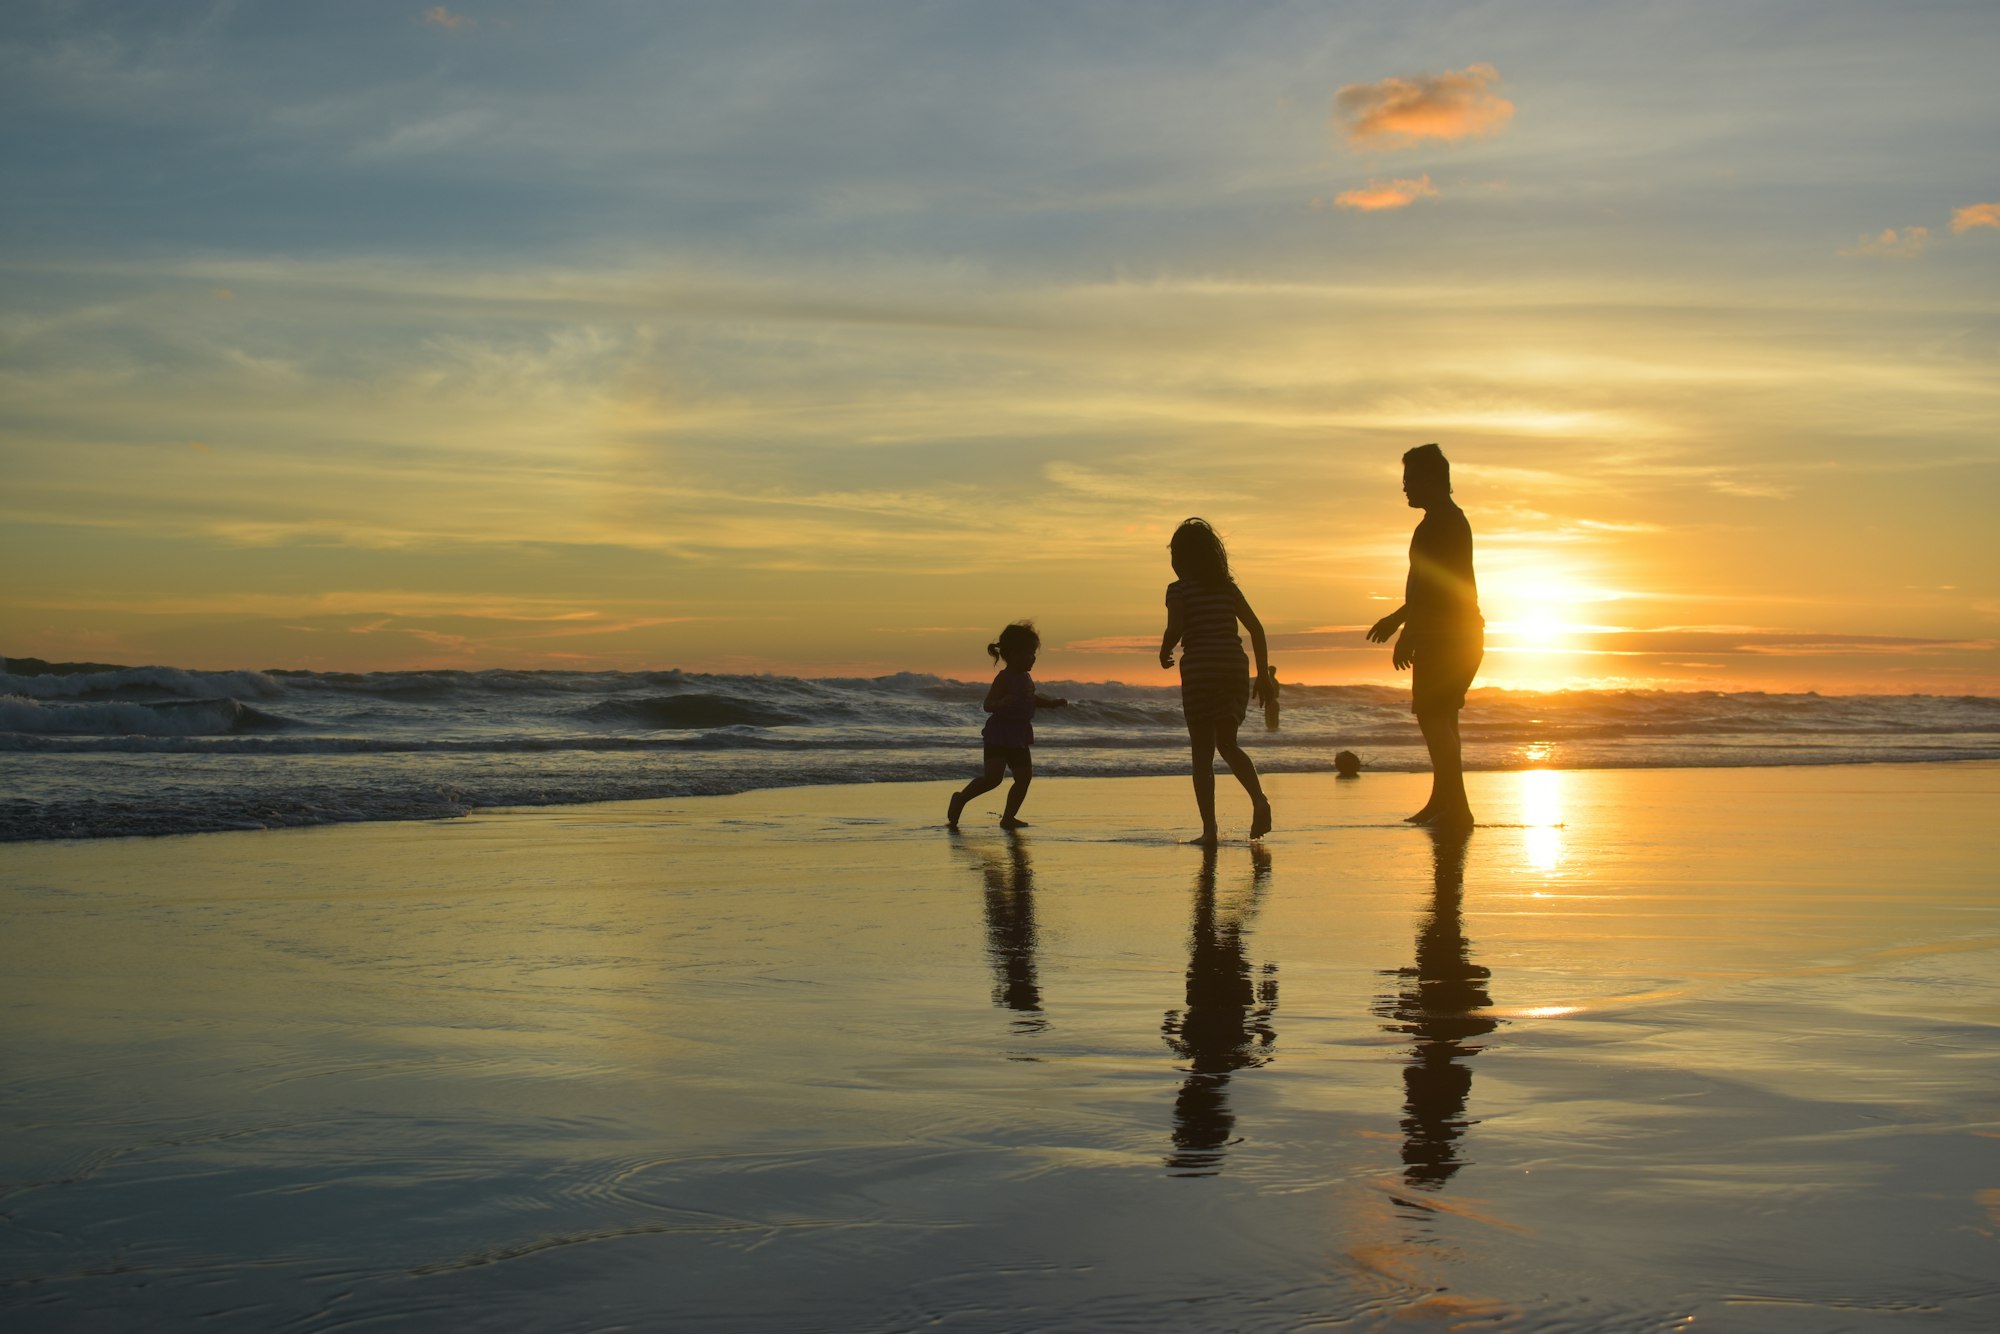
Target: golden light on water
{"x": 1542, "y": 813}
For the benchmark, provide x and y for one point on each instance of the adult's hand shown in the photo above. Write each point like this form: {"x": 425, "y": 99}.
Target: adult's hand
{"x": 1379, "y": 632}
{"x": 1403, "y": 656}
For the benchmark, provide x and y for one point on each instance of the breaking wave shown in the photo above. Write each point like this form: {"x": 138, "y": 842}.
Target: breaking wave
{"x": 94, "y": 749}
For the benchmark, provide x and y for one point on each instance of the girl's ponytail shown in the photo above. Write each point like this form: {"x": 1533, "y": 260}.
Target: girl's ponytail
{"x": 993, "y": 651}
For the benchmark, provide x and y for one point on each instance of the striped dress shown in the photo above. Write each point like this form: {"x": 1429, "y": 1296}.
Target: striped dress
{"x": 1215, "y": 673}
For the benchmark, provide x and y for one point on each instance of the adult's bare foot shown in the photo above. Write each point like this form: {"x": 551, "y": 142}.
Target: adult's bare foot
{"x": 1011, "y": 822}
{"x": 1209, "y": 839}
{"x": 1424, "y": 816}
{"x": 1260, "y": 818}
{"x": 957, "y": 809}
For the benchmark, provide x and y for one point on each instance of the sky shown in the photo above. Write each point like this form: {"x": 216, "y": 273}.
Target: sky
{"x": 827, "y": 338}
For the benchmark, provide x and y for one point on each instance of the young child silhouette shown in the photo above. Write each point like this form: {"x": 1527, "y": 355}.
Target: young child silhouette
{"x": 1011, "y": 702}
{"x": 1203, "y": 607}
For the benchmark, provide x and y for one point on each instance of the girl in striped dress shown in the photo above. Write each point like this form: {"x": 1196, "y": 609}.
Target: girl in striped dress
{"x": 1203, "y": 606}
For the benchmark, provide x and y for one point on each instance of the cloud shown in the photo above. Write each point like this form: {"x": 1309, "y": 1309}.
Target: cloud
{"x": 1399, "y": 113}
{"x": 1965, "y": 219}
{"x": 1379, "y": 195}
{"x": 1891, "y": 244}
{"x": 440, "y": 17}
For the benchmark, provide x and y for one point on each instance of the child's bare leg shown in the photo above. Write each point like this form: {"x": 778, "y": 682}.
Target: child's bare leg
{"x": 1024, "y": 774}
{"x": 1245, "y": 769}
{"x": 1201, "y": 740}
{"x": 996, "y": 766}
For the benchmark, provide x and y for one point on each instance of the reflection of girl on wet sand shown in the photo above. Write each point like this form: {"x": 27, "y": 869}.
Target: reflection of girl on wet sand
{"x": 1010, "y": 933}
{"x": 1226, "y": 1026}
{"x": 1441, "y": 1011}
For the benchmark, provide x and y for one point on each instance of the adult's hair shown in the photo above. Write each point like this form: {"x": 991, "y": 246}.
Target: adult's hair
{"x": 1020, "y": 635}
{"x": 1198, "y": 554}
{"x": 1429, "y": 461}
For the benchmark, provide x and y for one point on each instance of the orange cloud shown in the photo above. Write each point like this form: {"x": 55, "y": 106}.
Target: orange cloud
{"x": 1891, "y": 244}
{"x": 1965, "y": 219}
{"x": 439, "y": 16}
{"x": 1398, "y": 113}
{"x": 1379, "y": 194}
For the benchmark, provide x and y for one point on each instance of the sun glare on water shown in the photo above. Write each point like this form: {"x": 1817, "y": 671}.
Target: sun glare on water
{"x": 1542, "y": 813}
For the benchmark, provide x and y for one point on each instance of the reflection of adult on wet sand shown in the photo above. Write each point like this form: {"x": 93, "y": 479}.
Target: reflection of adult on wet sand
{"x": 1226, "y": 1026}
{"x": 1441, "y": 1011}
{"x": 1010, "y": 933}
{"x": 1443, "y": 635}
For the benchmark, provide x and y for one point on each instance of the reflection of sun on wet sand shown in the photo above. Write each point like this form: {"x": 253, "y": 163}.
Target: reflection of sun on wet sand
{"x": 757, "y": 1063}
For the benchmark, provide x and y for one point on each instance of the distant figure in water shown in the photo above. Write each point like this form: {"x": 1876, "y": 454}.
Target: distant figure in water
{"x": 1011, "y": 702}
{"x": 1347, "y": 764}
{"x": 1444, "y": 636}
{"x": 1203, "y": 606}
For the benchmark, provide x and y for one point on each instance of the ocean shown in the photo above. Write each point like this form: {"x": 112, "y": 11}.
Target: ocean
{"x": 94, "y": 751}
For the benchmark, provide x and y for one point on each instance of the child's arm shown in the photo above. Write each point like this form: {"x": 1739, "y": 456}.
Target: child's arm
{"x": 1257, "y": 643}
{"x": 996, "y": 694}
{"x": 1046, "y": 702}
{"x": 1172, "y": 635}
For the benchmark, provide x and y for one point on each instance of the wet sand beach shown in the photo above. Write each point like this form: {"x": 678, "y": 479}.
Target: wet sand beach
{"x": 1713, "y": 1049}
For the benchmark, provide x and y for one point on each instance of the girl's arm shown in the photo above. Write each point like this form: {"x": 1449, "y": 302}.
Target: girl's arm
{"x": 996, "y": 694}
{"x": 1048, "y": 702}
{"x": 1257, "y": 643}
{"x": 1172, "y": 635}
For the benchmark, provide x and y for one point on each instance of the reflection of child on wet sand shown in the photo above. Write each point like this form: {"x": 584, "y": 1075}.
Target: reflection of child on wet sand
{"x": 1010, "y": 724}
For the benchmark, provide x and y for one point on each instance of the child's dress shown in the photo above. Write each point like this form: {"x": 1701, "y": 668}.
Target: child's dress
{"x": 1215, "y": 672}
{"x": 1012, "y": 725}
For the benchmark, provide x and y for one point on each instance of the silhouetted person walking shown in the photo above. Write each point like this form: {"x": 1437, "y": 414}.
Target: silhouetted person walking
{"x": 1203, "y": 608}
{"x": 1011, "y": 702}
{"x": 1443, "y": 635}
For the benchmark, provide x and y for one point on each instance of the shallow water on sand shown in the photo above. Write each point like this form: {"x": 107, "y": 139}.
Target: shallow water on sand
{"x": 1650, "y": 1048}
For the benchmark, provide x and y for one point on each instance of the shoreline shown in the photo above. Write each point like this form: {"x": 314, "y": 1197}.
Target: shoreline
{"x": 1043, "y": 778}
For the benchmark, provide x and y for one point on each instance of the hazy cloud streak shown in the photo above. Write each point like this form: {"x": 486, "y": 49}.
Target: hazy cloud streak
{"x": 1397, "y": 113}
{"x": 1379, "y": 195}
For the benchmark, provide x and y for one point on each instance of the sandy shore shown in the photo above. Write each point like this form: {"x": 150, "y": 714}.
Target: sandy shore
{"x": 1651, "y": 1047}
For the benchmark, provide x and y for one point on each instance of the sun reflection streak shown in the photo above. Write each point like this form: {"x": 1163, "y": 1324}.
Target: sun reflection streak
{"x": 1541, "y": 812}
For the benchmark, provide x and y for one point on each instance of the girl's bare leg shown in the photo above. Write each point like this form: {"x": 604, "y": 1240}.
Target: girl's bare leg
{"x": 1245, "y": 769}
{"x": 1024, "y": 774}
{"x": 1201, "y": 740}
{"x": 986, "y": 782}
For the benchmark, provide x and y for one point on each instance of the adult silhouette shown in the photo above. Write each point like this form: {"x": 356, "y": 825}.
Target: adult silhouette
{"x": 1443, "y": 635}
{"x": 1439, "y": 1006}
{"x": 1226, "y": 1025}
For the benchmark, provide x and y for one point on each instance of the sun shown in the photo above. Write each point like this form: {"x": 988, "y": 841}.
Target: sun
{"x": 1540, "y": 621}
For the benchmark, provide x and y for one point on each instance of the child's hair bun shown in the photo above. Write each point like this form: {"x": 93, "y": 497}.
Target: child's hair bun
{"x": 993, "y": 651}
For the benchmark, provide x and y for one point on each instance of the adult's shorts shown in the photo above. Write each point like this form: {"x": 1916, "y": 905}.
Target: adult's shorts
{"x": 1442, "y": 668}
